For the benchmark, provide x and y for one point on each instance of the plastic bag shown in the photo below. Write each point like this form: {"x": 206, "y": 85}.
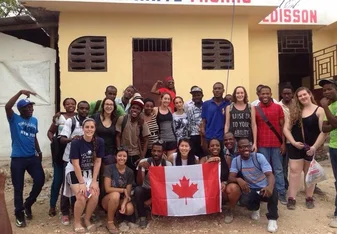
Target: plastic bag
{"x": 315, "y": 173}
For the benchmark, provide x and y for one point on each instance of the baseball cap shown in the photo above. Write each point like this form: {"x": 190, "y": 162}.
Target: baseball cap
{"x": 196, "y": 89}
{"x": 327, "y": 81}
{"x": 138, "y": 102}
{"x": 23, "y": 103}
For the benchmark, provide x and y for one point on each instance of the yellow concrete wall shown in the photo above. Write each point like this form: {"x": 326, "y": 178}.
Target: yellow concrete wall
{"x": 186, "y": 33}
{"x": 263, "y": 61}
{"x": 322, "y": 39}
{"x": 335, "y": 37}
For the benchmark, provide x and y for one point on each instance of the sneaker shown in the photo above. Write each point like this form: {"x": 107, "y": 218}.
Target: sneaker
{"x": 28, "y": 212}
{"x": 318, "y": 191}
{"x": 20, "y": 220}
{"x": 255, "y": 215}
{"x": 291, "y": 203}
{"x": 123, "y": 227}
{"x": 309, "y": 202}
{"x": 282, "y": 198}
{"x": 229, "y": 216}
{"x": 65, "y": 220}
{"x": 143, "y": 222}
{"x": 272, "y": 226}
{"x": 333, "y": 223}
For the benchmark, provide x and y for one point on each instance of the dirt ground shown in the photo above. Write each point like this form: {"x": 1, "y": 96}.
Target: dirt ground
{"x": 300, "y": 220}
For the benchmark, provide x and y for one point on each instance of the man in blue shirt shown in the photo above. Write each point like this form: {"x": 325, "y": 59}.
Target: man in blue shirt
{"x": 26, "y": 155}
{"x": 254, "y": 175}
{"x": 213, "y": 114}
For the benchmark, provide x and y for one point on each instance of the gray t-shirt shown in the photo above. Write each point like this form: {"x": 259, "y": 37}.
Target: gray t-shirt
{"x": 146, "y": 181}
{"x": 118, "y": 180}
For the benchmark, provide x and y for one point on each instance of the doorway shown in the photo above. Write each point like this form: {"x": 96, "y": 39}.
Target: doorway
{"x": 295, "y": 58}
{"x": 152, "y": 61}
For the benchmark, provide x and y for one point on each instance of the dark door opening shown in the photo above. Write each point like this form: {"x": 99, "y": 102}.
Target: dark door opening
{"x": 295, "y": 58}
{"x": 152, "y": 61}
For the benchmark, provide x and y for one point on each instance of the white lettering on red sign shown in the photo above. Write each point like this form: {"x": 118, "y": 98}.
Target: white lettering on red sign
{"x": 296, "y": 16}
{"x": 222, "y": 1}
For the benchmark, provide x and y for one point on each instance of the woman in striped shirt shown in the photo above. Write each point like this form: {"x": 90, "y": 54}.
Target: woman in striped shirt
{"x": 150, "y": 119}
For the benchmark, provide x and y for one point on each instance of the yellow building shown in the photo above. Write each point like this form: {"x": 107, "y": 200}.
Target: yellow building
{"x": 198, "y": 42}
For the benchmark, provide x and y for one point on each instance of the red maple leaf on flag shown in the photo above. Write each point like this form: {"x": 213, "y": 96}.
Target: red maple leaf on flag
{"x": 185, "y": 190}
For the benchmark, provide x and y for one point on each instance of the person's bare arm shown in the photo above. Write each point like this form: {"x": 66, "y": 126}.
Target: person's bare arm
{"x": 322, "y": 136}
{"x": 9, "y": 105}
{"x": 145, "y": 144}
{"x": 51, "y": 131}
{"x": 154, "y": 89}
{"x": 118, "y": 139}
{"x": 283, "y": 145}
{"x": 228, "y": 119}
{"x": 254, "y": 127}
{"x": 331, "y": 119}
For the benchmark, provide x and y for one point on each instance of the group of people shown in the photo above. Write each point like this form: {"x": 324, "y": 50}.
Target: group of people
{"x": 102, "y": 150}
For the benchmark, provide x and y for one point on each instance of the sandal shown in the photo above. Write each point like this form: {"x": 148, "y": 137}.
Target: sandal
{"x": 92, "y": 228}
{"x": 113, "y": 230}
{"x": 80, "y": 230}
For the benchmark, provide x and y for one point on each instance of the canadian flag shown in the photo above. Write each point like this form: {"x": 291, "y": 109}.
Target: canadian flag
{"x": 186, "y": 190}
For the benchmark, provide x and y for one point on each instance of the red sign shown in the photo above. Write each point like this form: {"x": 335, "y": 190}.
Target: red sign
{"x": 222, "y": 1}
{"x": 289, "y": 16}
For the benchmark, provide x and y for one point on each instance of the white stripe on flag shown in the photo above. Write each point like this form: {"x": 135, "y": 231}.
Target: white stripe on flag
{"x": 185, "y": 206}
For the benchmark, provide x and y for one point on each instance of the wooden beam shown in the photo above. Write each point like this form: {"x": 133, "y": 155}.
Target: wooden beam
{"x": 27, "y": 26}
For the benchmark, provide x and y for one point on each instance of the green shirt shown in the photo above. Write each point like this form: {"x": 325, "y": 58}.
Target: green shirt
{"x": 333, "y": 133}
{"x": 120, "y": 110}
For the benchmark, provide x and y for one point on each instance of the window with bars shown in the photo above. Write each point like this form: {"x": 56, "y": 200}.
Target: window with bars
{"x": 152, "y": 45}
{"x": 88, "y": 54}
{"x": 217, "y": 54}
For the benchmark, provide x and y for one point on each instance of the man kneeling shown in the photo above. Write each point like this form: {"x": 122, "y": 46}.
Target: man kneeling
{"x": 143, "y": 192}
{"x": 254, "y": 175}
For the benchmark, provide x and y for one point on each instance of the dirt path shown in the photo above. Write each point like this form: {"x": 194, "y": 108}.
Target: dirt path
{"x": 300, "y": 220}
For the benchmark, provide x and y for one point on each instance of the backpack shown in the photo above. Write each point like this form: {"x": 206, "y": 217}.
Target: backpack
{"x": 255, "y": 162}
{"x": 57, "y": 149}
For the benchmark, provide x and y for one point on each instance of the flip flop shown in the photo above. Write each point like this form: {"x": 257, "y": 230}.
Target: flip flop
{"x": 92, "y": 228}
{"x": 113, "y": 230}
{"x": 80, "y": 230}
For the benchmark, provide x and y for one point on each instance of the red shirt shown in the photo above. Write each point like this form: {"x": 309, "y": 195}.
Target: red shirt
{"x": 265, "y": 136}
{"x": 172, "y": 94}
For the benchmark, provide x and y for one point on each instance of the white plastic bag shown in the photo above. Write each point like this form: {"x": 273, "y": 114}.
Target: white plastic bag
{"x": 315, "y": 173}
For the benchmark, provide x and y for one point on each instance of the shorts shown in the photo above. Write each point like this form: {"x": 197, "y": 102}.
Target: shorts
{"x": 170, "y": 145}
{"x": 72, "y": 178}
{"x": 296, "y": 154}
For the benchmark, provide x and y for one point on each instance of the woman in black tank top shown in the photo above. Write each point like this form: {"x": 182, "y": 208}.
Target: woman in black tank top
{"x": 303, "y": 130}
{"x": 239, "y": 119}
{"x": 165, "y": 123}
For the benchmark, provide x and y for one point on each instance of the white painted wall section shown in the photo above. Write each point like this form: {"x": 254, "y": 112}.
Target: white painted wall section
{"x": 25, "y": 65}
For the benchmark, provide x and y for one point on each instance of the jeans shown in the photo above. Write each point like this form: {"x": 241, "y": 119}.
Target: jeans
{"x": 141, "y": 195}
{"x": 254, "y": 199}
{"x": 333, "y": 159}
{"x": 275, "y": 158}
{"x": 56, "y": 185}
{"x": 65, "y": 202}
{"x": 18, "y": 168}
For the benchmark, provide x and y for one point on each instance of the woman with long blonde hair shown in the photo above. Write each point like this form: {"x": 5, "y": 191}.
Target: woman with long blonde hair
{"x": 303, "y": 129}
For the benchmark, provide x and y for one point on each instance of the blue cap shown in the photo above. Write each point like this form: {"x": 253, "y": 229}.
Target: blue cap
{"x": 23, "y": 103}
